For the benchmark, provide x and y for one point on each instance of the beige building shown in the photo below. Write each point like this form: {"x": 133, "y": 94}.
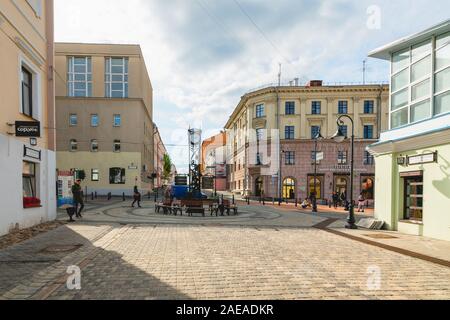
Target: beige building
{"x": 27, "y": 165}
{"x": 272, "y": 130}
{"x": 160, "y": 151}
{"x": 104, "y": 107}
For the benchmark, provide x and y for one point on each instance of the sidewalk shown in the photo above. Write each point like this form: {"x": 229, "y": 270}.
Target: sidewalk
{"x": 428, "y": 249}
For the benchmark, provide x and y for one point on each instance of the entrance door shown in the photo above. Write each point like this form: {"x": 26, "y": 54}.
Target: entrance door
{"x": 259, "y": 184}
{"x": 413, "y": 198}
{"x": 341, "y": 185}
{"x": 289, "y": 189}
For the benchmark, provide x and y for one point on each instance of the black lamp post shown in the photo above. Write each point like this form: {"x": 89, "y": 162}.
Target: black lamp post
{"x": 316, "y": 138}
{"x": 340, "y": 137}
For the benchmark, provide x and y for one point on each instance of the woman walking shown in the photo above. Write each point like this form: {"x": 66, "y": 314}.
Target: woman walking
{"x": 136, "y": 197}
{"x": 361, "y": 201}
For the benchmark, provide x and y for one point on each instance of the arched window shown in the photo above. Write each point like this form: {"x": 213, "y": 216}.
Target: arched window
{"x": 289, "y": 188}
{"x": 318, "y": 186}
{"x": 73, "y": 145}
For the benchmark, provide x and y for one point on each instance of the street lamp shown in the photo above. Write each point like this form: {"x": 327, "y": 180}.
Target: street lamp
{"x": 316, "y": 138}
{"x": 340, "y": 137}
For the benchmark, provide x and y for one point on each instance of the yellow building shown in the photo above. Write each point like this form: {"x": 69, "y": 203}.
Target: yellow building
{"x": 413, "y": 157}
{"x": 272, "y": 129}
{"x": 104, "y": 111}
{"x": 27, "y": 165}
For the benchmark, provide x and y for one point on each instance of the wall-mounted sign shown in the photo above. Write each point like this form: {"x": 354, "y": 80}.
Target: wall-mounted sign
{"x": 132, "y": 167}
{"x": 31, "y": 153}
{"x": 28, "y": 129}
{"x": 320, "y": 156}
{"x": 423, "y": 159}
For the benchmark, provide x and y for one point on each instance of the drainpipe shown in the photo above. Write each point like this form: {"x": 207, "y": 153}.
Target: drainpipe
{"x": 51, "y": 121}
{"x": 379, "y": 113}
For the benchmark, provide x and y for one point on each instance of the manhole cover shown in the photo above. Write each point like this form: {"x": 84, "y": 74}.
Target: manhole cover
{"x": 61, "y": 248}
{"x": 379, "y": 236}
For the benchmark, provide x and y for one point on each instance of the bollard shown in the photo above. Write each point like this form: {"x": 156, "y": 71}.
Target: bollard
{"x": 95, "y": 194}
{"x": 264, "y": 201}
{"x": 273, "y": 201}
{"x": 156, "y": 196}
{"x": 233, "y": 200}
{"x": 296, "y": 202}
{"x": 92, "y": 196}
{"x": 123, "y": 196}
{"x": 279, "y": 202}
{"x": 109, "y": 196}
{"x": 248, "y": 200}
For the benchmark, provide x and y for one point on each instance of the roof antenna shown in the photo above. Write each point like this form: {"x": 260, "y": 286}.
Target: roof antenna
{"x": 279, "y": 75}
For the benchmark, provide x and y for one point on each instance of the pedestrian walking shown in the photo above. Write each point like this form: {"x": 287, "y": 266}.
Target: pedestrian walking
{"x": 361, "y": 202}
{"x": 136, "y": 197}
{"x": 335, "y": 200}
{"x": 77, "y": 193}
{"x": 343, "y": 199}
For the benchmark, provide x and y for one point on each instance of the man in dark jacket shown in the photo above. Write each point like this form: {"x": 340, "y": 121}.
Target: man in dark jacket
{"x": 77, "y": 193}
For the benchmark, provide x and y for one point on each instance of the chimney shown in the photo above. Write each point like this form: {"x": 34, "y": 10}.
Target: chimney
{"x": 315, "y": 83}
{"x": 296, "y": 81}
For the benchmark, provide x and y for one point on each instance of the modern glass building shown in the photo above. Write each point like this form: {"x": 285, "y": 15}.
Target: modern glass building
{"x": 413, "y": 158}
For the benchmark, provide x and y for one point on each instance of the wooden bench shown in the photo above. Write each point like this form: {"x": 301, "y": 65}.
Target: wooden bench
{"x": 193, "y": 206}
{"x": 168, "y": 208}
{"x": 228, "y": 207}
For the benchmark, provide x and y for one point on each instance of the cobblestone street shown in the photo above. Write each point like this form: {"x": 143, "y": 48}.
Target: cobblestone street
{"x": 265, "y": 253}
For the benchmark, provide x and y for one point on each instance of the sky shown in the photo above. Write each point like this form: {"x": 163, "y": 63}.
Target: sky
{"x": 204, "y": 55}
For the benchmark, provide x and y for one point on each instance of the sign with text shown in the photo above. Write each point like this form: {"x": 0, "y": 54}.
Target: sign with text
{"x": 30, "y": 129}
{"x": 31, "y": 153}
{"x": 422, "y": 159}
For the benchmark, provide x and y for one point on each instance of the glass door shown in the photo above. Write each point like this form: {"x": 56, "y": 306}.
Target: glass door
{"x": 414, "y": 198}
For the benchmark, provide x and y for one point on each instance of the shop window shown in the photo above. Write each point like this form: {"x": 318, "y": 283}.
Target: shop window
{"x": 117, "y": 176}
{"x": 289, "y": 188}
{"x": 368, "y": 187}
{"x": 30, "y": 199}
{"x": 318, "y": 186}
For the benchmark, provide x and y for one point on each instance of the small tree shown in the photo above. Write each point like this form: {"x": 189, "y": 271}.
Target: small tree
{"x": 167, "y": 166}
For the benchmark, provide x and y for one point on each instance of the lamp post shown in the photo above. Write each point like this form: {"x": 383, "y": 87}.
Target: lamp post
{"x": 280, "y": 178}
{"x": 340, "y": 137}
{"x": 317, "y": 137}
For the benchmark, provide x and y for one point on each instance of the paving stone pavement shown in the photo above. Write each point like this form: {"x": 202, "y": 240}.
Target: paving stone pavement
{"x": 119, "y": 260}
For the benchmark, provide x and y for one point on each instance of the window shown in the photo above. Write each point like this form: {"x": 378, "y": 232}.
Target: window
{"x": 316, "y": 107}
{"x": 95, "y": 175}
{"x": 290, "y": 158}
{"x": 29, "y": 179}
{"x": 289, "y": 132}
{"x": 343, "y": 107}
{"x": 344, "y": 130}
{"x": 369, "y": 106}
{"x": 73, "y": 145}
{"x": 73, "y": 120}
{"x": 315, "y": 186}
{"x": 342, "y": 157}
{"x": 116, "y": 145}
{"x": 116, "y": 77}
{"x": 290, "y": 108}
{"x": 94, "y": 145}
{"x": 368, "y": 159}
{"x": 117, "y": 176}
{"x": 315, "y": 130}
{"x": 79, "y": 77}
{"x": 368, "y": 132}
{"x": 118, "y": 120}
{"x": 260, "y": 111}
{"x": 94, "y": 120}
{"x": 289, "y": 188}
{"x": 27, "y": 92}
